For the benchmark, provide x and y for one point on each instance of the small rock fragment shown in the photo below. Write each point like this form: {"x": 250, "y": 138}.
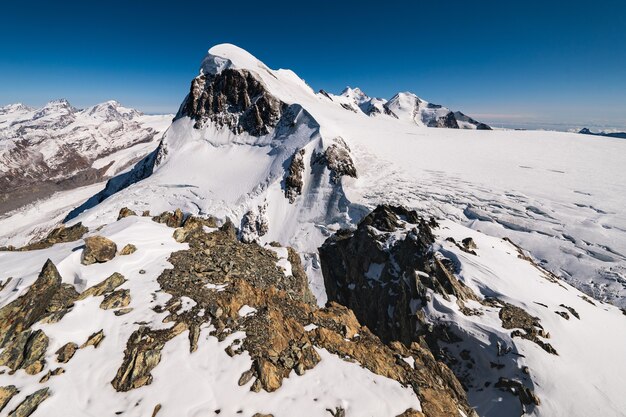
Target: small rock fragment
{"x": 128, "y": 249}
{"x": 94, "y": 340}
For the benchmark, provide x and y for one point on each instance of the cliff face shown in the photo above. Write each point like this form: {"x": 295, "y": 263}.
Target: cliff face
{"x": 235, "y": 99}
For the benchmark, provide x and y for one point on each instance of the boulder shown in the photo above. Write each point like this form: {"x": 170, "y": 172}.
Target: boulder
{"x": 98, "y": 249}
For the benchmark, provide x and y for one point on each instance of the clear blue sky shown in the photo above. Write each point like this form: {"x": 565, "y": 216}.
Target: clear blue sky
{"x": 514, "y": 62}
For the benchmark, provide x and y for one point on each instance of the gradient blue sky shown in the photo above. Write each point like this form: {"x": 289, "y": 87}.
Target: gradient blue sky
{"x": 535, "y": 63}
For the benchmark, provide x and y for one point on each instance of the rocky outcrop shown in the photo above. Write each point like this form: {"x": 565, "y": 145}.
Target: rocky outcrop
{"x": 98, "y": 249}
{"x": 338, "y": 160}
{"x": 116, "y": 299}
{"x": 26, "y": 351}
{"x": 377, "y": 276}
{"x": 30, "y": 403}
{"x": 234, "y": 98}
{"x": 283, "y": 326}
{"x": 47, "y": 299}
{"x": 170, "y": 219}
{"x": 448, "y": 121}
{"x": 254, "y": 224}
{"x": 294, "y": 181}
{"x": 6, "y": 393}
{"x": 60, "y": 234}
{"x": 104, "y": 287}
{"x": 66, "y": 352}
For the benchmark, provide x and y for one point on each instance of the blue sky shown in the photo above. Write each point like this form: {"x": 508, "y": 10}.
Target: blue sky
{"x": 529, "y": 63}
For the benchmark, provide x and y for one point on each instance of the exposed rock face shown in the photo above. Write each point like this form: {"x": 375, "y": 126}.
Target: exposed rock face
{"x": 276, "y": 339}
{"x": 387, "y": 271}
{"x": 30, "y": 403}
{"x": 116, "y": 299}
{"x": 66, "y": 352}
{"x": 254, "y": 224}
{"x": 98, "y": 249}
{"x": 361, "y": 267}
{"x": 293, "y": 180}
{"x": 106, "y": 286}
{"x": 60, "y": 234}
{"x": 338, "y": 160}
{"x": 6, "y": 393}
{"x": 170, "y": 219}
{"x": 47, "y": 298}
{"x": 448, "y": 121}
{"x": 26, "y": 351}
{"x": 234, "y": 98}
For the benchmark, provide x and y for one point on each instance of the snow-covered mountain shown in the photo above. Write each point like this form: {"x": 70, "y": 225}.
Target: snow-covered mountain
{"x": 59, "y": 147}
{"x": 405, "y": 106}
{"x": 452, "y": 261}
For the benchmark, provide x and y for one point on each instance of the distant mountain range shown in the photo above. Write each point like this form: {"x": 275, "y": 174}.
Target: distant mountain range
{"x": 59, "y": 147}
{"x": 619, "y": 135}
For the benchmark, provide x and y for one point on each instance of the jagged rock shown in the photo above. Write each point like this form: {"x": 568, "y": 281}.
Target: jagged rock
{"x": 170, "y": 219}
{"x": 46, "y": 296}
{"x": 125, "y": 212}
{"x": 93, "y": 340}
{"x": 254, "y": 224}
{"x": 361, "y": 266}
{"x": 276, "y": 339}
{"x": 142, "y": 354}
{"x": 54, "y": 372}
{"x": 448, "y": 121}
{"x": 156, "y": 410}
{"x": 525, "y": 394}
{"x": 128, "y": 249}
{"x": 293, "y": 180}
{"x": 30, "y": 403}
{"x": 572, "y": 311}
{"x": 234, "y": 98}
{"x": 469, "y": 243}
{"x": 6, "y": 393}
{"x": 108, "y": 285}
{"x": 122, "y": 311}
{"x": 116, "y": 299}
{"x": 98, "y": 249}
{"x": 338, "y": 160}
{"x": 514, "y": 317}
{"x": 66, "y": 352}
{"x": 61, "y": 234}
{"x": 27, "y": 351}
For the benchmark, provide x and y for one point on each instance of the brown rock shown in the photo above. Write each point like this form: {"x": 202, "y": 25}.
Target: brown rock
{"x": 94, "y": 340}
{"x": 30, "y": 403}
{"x": 128, "y": 249}
{"x": 66, "y": 352}
{"x": 116, "y": 299}
{"x": 104, "y": 287}
{"x": 6, "y": 393}
{"x": 98, "y": 249}
{"x": 125, "y": 212}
